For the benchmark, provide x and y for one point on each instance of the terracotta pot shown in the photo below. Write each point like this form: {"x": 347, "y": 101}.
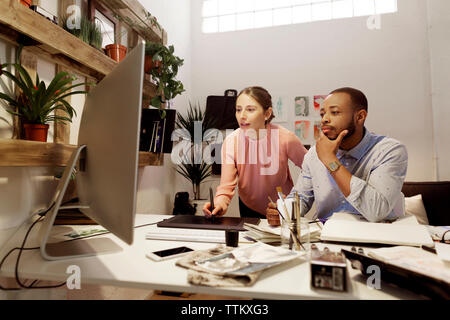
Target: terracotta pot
{"x": 116, "y": 51}
{"x": 26, "y": 2}
{"x": 36, "y": 132}
{"x": 149, "y": 64}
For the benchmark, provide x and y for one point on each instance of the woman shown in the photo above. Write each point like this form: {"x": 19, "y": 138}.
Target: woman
{"x": 255, "y": 157}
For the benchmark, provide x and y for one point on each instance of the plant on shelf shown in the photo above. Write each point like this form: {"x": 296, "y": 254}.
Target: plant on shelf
{"x": 35, "y": 102}
{"x": 88, "y": 32}
{"x": 150, "y": 20}
{"x": 163, "y": 69}
{"x": 193, "y": 166}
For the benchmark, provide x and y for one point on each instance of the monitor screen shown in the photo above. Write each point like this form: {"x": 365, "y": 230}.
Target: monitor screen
{"x": 110, "y": 128}
{"x": 108, "y": 154}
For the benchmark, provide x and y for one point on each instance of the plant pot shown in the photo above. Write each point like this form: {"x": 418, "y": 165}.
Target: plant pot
{"x": 26, "y": 2}
{"x": 36, "y": 132}
{"x": 150, "y": 64}
{"x": 116, "y": 51}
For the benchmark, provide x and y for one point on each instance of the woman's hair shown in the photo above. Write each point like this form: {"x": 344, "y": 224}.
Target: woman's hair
{"x": 262, "y": 96}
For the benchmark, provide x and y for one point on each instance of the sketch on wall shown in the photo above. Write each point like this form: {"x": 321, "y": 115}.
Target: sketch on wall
{"x": 302, "y": 130}
{"x": 301, "y": 106}
{"x": 316, "y": 130}
{"x": 318, "y": 101}
{"x": 279, "y": 109}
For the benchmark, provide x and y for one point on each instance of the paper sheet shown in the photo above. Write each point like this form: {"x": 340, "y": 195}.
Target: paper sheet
{"x": 443, "y": 251}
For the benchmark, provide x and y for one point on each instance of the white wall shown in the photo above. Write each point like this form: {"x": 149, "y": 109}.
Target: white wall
{"x": 439, "y": 39}
{"x": 390, "y": 65}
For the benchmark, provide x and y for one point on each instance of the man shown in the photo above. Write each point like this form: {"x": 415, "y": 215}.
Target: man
{"x": 350, "y": 169}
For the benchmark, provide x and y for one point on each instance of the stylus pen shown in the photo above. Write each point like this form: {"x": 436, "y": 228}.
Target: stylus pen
{"x": 429, "y": 249}
{"x": 211, "y": 200}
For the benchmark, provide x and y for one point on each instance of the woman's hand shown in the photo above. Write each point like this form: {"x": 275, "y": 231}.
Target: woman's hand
{"x": 219, "y": 210}
{"x": 272, "y": 215}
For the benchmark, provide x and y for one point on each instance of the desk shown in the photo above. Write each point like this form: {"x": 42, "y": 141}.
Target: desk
{"x": 130, "y": 268}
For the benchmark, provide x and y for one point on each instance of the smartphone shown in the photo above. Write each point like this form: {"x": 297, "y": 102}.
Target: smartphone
{"x": 168, "y": 253}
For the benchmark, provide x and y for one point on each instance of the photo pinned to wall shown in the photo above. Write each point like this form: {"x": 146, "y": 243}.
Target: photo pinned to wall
{"x": 318, "y": 101}
{"x": 317, "y": 128}
{"x": 302, "y": 106}
{"x": 279, "y": 109}
{"x": 302, "y": 130}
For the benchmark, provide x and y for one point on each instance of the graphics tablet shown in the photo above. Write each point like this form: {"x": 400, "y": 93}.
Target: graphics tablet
{"x": 201, "y": 222}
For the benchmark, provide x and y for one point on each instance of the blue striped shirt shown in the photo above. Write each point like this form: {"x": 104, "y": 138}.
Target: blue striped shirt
{"x": 378, "y": 166}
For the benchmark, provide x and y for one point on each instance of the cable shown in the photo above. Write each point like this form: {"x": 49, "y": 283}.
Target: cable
{"x": 18, "y": 281}
{"x": 22, "y": 247}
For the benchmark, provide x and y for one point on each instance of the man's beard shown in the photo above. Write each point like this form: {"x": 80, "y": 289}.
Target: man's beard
{"x": 351, "y": 128}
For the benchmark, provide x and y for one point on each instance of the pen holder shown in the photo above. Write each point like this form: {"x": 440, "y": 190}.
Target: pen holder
{"x": 299, "y": 230}
{"x": 231, "y": 238}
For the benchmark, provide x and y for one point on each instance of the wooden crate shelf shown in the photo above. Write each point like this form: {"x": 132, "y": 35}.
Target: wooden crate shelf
{"x": 23, "y": 153}
{"x": 44, "y": 39}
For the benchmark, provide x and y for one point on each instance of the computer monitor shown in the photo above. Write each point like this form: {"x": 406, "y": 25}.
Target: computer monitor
{"x": 108, "y": 151}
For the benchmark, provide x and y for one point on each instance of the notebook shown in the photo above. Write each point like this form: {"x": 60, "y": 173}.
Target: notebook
{"x": 397, "y": 233}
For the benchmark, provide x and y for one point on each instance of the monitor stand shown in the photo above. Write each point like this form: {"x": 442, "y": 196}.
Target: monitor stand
{"x": 72, "y": 248}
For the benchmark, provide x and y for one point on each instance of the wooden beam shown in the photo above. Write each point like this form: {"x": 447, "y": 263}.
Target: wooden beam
{"x": 42, "y": 51}
{"x": 21, "y": 153}
{"x": 150, "y": 159}
{"x": 24, "y": 153}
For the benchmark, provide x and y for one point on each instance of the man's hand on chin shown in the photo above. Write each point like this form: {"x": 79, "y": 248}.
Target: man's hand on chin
{"x": 327, "y": 149}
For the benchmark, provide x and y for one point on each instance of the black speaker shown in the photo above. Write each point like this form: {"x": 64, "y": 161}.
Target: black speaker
{"x": 221, "y": 110}
{"x": 182, "y": 205}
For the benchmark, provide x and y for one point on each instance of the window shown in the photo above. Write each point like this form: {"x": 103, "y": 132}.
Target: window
{"x": 231, "y": 15}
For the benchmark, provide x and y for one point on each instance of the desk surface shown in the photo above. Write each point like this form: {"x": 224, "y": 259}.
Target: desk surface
{"x": 130, "y": 268}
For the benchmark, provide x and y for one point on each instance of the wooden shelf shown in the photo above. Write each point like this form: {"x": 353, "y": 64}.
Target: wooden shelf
{"x": 23, "y": 153}
{"x": 53, "y": 39}
{"x": 42, "y": 38}
{"x": 17, "y": 21}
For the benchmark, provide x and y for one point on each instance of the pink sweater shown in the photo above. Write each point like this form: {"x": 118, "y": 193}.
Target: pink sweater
{"x": 258, "y": 166}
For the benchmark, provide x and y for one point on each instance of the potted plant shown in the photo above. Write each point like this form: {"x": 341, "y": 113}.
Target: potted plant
{"x": 194, "y": 172}
{"x": 164, "y": 69}
{"x": 88, "y": 32}
{"x": 26, "y": 3}
{"x": 116, "y": 51}
{"x": 35, "y": 102}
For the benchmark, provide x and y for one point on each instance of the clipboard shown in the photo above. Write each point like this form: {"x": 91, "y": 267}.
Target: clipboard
{"x": 419, "y": 283}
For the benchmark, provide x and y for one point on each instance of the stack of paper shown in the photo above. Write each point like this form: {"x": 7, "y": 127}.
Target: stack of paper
{"x": 345, "y": 228}
{"x": 268, "y": 234}
{"x": 263, "y": 232}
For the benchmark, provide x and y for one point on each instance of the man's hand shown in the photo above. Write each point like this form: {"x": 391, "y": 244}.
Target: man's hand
{"x": 327, "y": 149}
{"x": 272, "y": 214}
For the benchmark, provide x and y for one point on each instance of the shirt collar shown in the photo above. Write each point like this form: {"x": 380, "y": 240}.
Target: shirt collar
{"x": 360, "y": 149}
